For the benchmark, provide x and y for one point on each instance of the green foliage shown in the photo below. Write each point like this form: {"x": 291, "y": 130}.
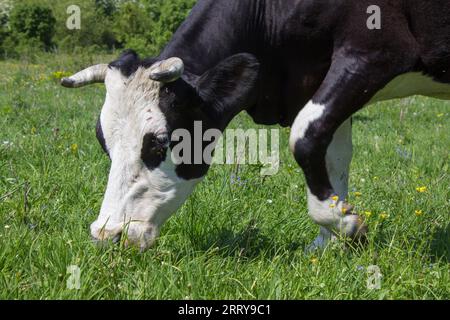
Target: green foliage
{"x": 95, "y": 31}
{"x": 33, "y": 22}
{"x": 131, "y": 27}
{"x": 107, "y": 7}
{"x": 145, "y": 26}
{"x": 4, "y": 32}
{"x": 171, "y": 15}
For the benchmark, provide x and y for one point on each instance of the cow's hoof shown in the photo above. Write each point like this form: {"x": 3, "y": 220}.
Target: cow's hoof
{"x": 356, "y": 229}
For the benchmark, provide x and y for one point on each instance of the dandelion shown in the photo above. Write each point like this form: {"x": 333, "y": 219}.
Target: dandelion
{"x": 332, "y": 206}
{"x": 368, "y": 214}
{"x": 58, "y": 75}
{"x": 7, "y": 143}
{"x": 419, "y": 213}
{"x": 358, "y": 194}
{"x": 421, "y": 189}
{"x": 314, "y": 260}
{"x": 335, "y": 198}
{"x": 74, "y": 148}
{"x": 384, "y": 216}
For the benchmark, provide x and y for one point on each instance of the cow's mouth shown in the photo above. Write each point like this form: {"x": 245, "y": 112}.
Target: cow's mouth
{"x": 133, "y": 234}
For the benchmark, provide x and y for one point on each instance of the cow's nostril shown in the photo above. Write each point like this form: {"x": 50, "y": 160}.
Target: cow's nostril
{"x": 117, "y": 238}
{"x": 103, "y": 242}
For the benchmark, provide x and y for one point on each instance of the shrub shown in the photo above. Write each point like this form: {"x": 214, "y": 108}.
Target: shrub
{"x": 33, "y": 22}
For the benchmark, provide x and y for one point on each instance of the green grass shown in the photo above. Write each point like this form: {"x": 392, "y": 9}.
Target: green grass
{"x": 228, "y": 241}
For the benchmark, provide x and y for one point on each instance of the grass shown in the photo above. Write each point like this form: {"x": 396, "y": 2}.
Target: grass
{"x": 228, "y": 241}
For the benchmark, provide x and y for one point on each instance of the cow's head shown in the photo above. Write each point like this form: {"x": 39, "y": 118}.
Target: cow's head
{"x": 146, "y": 101}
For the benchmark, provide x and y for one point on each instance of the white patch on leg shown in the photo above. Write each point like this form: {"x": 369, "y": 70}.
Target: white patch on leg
{"x": 310, "y": 113}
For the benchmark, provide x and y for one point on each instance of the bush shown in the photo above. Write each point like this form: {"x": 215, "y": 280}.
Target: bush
{"x": 4, "y": 33}
{"x": 33, "y": 22}
{"x": 131, "y": 27}
{"x": 143, "y": 25}
{"x": 96, "y": 26}
{"x": 171, "y": 15}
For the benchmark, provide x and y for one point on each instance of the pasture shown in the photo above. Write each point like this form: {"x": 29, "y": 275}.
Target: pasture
{"x": 230, "y": 240}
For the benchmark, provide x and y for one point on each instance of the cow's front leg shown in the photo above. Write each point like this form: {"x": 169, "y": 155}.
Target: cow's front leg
{"x": 321, "y": 142}
{"x": 326, "y": 168}
{"x": 337, "y": 160}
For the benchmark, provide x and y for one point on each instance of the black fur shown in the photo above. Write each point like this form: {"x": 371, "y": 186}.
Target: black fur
{"x": 100, "y": 137}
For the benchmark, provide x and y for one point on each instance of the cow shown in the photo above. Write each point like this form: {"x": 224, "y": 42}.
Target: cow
{"x": 305, "y": 64}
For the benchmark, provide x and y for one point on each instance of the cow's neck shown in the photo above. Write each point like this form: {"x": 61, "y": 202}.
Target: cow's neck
{"x": 216, "y": 30}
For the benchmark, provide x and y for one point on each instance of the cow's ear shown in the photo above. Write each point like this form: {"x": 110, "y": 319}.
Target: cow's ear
{"x": 228, "y": 88}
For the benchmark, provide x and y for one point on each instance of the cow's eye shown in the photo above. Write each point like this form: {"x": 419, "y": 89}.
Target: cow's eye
{"x": 154, "y": 150}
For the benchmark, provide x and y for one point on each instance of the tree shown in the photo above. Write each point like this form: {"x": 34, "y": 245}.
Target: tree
{"x": 171, "y": 14}
{"x": 33, "y": 22}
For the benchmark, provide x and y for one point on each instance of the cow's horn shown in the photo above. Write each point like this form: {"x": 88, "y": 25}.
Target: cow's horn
{"x": 94, "y": 74}
{"x": 167, "y": 70}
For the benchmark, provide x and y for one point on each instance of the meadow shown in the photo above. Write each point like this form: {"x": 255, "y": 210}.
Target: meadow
{"x": 230, "y": 240}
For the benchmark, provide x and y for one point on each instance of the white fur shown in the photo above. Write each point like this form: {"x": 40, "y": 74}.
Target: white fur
{"x": 310, "y": 113}
{"x": 137, "y": 200}
{"x": 414, "y": 83}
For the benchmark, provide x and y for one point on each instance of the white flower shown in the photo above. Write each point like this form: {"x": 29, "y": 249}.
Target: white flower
{"x": 8, "y": 143}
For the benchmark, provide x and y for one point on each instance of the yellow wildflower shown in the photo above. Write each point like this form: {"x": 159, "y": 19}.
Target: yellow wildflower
{"x": 74, "y": 148}
{"x": 332, "y": 206}
{"x": 358, "y": 194}
{"x": 419, "y": 213}
{"x": 421, "y": 189}
{"x": 335, "y": 198}
{"x": 368, "y": 214}
{"x": 60, "y": 74}
{"x": 314, "y": 260}
{"x": 384, "y": 216}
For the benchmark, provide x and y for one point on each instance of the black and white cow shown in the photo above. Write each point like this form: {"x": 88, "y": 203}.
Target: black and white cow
{"x": 307, "y": 64}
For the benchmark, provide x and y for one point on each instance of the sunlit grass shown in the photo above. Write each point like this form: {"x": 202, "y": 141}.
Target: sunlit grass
{"x": 229, "y": 240}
